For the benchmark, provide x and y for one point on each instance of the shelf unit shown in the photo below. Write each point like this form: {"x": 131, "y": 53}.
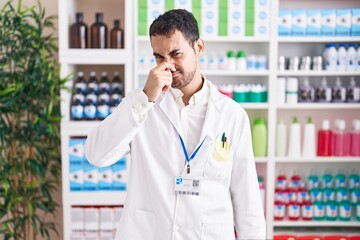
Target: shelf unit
{"x": 271, "y": 46}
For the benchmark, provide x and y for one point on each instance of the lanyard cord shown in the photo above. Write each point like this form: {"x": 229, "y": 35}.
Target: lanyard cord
{"x": 188, "y": 159}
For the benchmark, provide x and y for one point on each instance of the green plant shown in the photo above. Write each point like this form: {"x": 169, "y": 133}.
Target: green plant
{"x": 29, "y": 122}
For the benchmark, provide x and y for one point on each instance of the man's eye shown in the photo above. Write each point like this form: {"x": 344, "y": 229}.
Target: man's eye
{"x": 177, "y": 54}
{"x": 157, "y": 57}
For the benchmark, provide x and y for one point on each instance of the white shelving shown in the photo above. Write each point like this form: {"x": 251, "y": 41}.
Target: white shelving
{"x": 270, "y": 46}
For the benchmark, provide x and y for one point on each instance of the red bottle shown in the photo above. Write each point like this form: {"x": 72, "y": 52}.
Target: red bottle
{"x": 307, "y": 210}
{"x": 279, "y": 211}
{"x": 325, "y": 137}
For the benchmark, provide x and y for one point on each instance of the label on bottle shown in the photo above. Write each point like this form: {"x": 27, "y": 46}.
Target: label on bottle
{"x": 339, "y": 94}
{"x": 103, "y": 111}
{"x": 280, "y": 197}
{"x": 104, "y": 97}
{"x": 279, "y": 211}
{"x": 80, "y": 87}
{"x": 307, "y": 211}
{"x": 315, "y": 195}
{"x": 77, "y": 112}
{"x": 329, "y": 194}
{"x": 331, "y": 211}
{"x": 104, "y": 86}
{"x": 355, "y": 195}
{"x": 323, "y": 94}
{"x": 93, "y": 86}
{"x": 306, "y": 94}
{"x": 319, "y": 211}
{"x": 353, "y": 94}
{"x": 90, "y": 112}
{"x": 345, "y": 211}
{"x": 294, "y": 211}
{"x": 92, "y": 98}
{"x": 354, "y": 181}
{"x": 80, "y": 98}
{"x": 341, "y": 194}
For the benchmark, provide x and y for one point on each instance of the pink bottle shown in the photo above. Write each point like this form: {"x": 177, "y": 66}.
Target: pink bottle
{"x": 325, "y": 138}
{"x": 355, "y": 139}
{"x": 341, "y": 139}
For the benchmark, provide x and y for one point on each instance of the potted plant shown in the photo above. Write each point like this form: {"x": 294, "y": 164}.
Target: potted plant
{"x": 30, "y": 83}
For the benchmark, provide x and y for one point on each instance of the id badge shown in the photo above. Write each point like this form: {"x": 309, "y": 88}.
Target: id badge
{"x": 187, "y": 186}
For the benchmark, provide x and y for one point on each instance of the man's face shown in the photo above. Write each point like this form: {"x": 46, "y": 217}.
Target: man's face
{"x": 177, "y": 51}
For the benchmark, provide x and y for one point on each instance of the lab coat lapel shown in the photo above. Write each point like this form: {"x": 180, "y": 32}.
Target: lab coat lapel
{"x": 168, "y": 106}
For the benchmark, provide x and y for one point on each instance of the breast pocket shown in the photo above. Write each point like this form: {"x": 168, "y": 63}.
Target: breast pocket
{"x": 218, "y": 161}
{"x": 132, "y": 220}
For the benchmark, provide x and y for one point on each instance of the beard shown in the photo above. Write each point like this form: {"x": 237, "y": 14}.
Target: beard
{"x": 183, "y": 79}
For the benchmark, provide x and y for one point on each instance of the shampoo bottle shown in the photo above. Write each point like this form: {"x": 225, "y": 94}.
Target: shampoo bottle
{"x": 323, "y": 92}
{"x": 340, "y": 139}
{"x": 355, "y": 139}
{"x": 353, "y": 92}
{"x": 259, "y": 138}
{"x": 309, "y": 139}
{"x": 294, "y": 150}
{"x": 338, "y": 92}
{"x": 325, "y": 137}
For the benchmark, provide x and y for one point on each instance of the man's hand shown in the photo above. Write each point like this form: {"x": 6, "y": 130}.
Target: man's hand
{"x": 159, "y": 80}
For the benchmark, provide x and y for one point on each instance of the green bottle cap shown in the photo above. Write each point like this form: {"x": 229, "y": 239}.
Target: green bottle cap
{"x": 295, "y": 120}
{"x": 231, "y": 54}
{"x": 241, "y": 54}
{"x": 309, "y": 120}
{"x": 259, "y": 121}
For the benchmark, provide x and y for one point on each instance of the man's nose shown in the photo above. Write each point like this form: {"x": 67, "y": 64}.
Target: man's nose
{"x": 169, "y": 60}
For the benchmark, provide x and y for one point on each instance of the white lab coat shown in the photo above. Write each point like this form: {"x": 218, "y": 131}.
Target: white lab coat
{"x": 229, "y": 194}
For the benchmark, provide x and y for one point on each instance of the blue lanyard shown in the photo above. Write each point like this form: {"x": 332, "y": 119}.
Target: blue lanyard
{"x": 188, "y": 159}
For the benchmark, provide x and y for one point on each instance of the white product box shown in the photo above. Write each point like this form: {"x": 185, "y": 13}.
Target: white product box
{"x": 313, "y": 22}
{"x": 262, "y": 15}
{"x": 119, "y": 175}
{"x": 210, "y": 4}
{"x": 262, "y": 4}
{"x": 299, "y": 22}
{"x": 91, "y": 220}
{"x": 91, "y": 177}
{"x": 156, "y": 4}
{"x": 210, "y": 22}
{"x": 117, "y": 214}
{"x": 355, "y": 24}
{"x": 77, "y": 220}
{"x": 76, "y": 177}
{"x": 262, "y": 29}
{"x": 107, "y": 218}
{"x": 285, "y": 23}
{"x": 343, "y": 22}
{"x": 236, "y": 19}
{"x": 76, "y": 150}
{"x": 152, "y": 14}
{"x": 281, "y": 90}
{"x": 105, "y": 178}
{"x": 328, "y": 22}
{"x": 183, "y": 4}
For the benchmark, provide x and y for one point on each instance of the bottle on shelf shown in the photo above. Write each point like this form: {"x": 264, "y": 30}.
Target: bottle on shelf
{"x": 78, "y": 33}
{"x": 241, "y": 61}
{"x": 357, "y": 64}
{"x": 306, "y": 92}
{"x": 331, "y": 57}
{"x": 259, "y": 138}
{"x": 77, "y": 110}
{"x": 354, "y": 179}
{"x": 345, "y": 210}
{"x": 327, "y": 180}
{"x": 319, "y": 210}
{"x": 342, "y": 60}
{"x": 231, "y": 66}
{"x": 355, "y": 139}
{"x": 341, "y": 139}
{"x": 294, "y": 149}
{"x": 312, "y": 180}
{"x": 331, "y": 211}
{"x": 116, "y": 84}
{"x": 351, "y": 61}
{"x": 307, "y": 210}
{"x": 80, "y": 83}
{"x": 353, "y": 92}
{"x": 223, "y": 61}
{"x": 309, "y": 139}
{"x": 262, "y": 190}
{"x": 98, "y": 32}
{"x": 292, "y": 90}
{"x": 92, "y": 84}
{"x": 104, "y": 84}
{"x": 340, "y": 179}
{"x": 117, "y": 35}
{"x": 281, "y": 139}
{"x": 338, "y": 92}
{"x": 90, "y": 110}
{"x": 102, "y": 109}
{"x": 323, "y": 92}
{"x": 325, "y": 139}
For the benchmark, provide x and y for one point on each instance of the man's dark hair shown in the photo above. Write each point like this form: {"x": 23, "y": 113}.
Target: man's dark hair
{"x": 176, "y": 19}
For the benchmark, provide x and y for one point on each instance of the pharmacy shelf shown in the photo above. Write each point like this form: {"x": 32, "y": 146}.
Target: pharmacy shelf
{"x": 316, "y": 224}
{"x": 318, "y": 160}
{"x": 318, "y": 73}
{"x": 320, "y": 106}
{"x": 320, "y": 39}
{"x": 95, "y": 56}
{"x": 108, "y": 198}
{"x": 221, "y": 39}
{"x": 255, "y": 105}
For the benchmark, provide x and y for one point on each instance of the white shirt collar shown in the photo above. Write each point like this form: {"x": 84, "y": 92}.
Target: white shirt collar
{"x": 195, "y": 99}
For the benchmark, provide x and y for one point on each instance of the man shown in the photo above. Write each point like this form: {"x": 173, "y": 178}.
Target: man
{"x": 192, "y": 172}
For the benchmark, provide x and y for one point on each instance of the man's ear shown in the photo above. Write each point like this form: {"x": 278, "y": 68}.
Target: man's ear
{"x": 199, "y": 46}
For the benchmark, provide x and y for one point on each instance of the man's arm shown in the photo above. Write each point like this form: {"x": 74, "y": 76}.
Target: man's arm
{"x": 245, "y": 192}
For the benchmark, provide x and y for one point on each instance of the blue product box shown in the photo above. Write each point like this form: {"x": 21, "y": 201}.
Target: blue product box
{"x": 328, "y": 22}
{"x": 299, "y": 22}
{"x": 91, "y": 178}
{"x": 284, "y": 23}
{"x": 105, "y": 178}
{"x": 76, "y": 177}
{"x": 355, "y": 24}
{"x": 76, "y": 150}
{"x": 119, "y": 175}
{"x": 343, "y": 22}
{"x": 313, "y": 22}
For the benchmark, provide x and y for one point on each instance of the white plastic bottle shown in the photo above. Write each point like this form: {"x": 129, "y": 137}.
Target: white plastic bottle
{"x": 281, "y": 139}
{"x": 331, "y": 58}
{"x": 326, "y": 54}
{"x": 294, "y": 150}
{"x": 309, "y": 144}
{"x": 342, "y": 58}
{"x": 213, "y": 63}
{"x": 353, "y": 92}
{"x": 350, "y": 66}
{"x": 241, "y": 61}
{"x": 223, "y": 61}
{"x": 204, "y": 61}
{"x": 231, "y": 61}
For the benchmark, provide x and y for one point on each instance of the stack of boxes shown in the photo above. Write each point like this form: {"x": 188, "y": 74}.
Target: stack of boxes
{"x": 319, "y": 22}
{"x": 86, "y": 177}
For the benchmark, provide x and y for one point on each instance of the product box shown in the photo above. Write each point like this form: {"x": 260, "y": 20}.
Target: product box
{"x": 355, "y": 24}
{"x": 91, "y": 179}
{"x": 107, "y": 219}
{"x": 76, "y": 177}
{"x": 285, "y": 23}
{"x": 76, "y": 150}
{"x": 142, "y": 24}
{"x": 91, "y": 220}
{"x": 209, "y": 4}
{"x": 313, "y": 27}
{"x": 77, "y": 220}
{"x": 105, "y": 178}
{"x": 155, "y": 4}
{"x": 343, "y": 22}
{"x": 263, "y": 4}
{"x": 183, "y": 4}
{"x": 236, "y": 19}
{"x": 299, "y": 22}
{"x": 328, "y": 22}
{"x": 261, "y": 29}
{"x": 209, "y": 22}
{"x": 119, "y": 175}
{"x": 152, "y": 14}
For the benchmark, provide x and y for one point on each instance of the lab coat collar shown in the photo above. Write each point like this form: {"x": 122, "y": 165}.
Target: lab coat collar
{"x": 169, "y": 107}
{"x": 196, "y": 98}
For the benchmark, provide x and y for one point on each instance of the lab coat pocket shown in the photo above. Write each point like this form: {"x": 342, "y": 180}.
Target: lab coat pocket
{"x": 223, "y": 230}
{"x": 218, "y": 162}
{"x": 132, "y": 220}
